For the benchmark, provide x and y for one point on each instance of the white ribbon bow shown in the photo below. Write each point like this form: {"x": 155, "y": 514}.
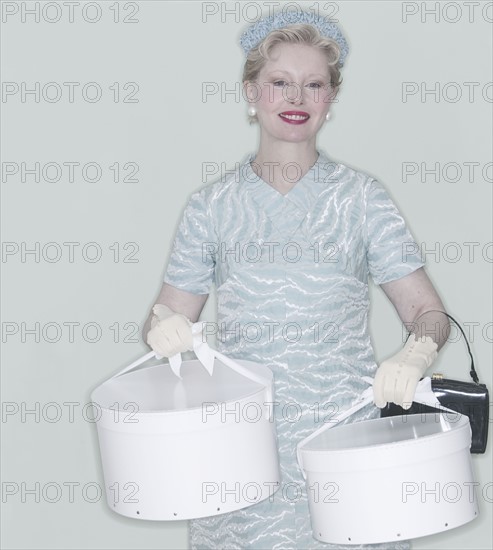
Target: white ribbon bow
{"x": 204, "y": 353}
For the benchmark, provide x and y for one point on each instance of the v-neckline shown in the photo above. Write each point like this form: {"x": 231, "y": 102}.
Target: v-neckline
{"x": 287, "y": 211}
{"x": 309, "y": 186}
{"x": 250, "y": 158}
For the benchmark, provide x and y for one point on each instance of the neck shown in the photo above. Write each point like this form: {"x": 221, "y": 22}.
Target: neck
{"x": 282, "y": 163}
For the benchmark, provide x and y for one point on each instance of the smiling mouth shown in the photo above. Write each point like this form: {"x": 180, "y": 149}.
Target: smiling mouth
{"x": 294, "y": 117}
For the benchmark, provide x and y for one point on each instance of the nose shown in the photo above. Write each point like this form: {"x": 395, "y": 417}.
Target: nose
{"x": 294, "y": 93}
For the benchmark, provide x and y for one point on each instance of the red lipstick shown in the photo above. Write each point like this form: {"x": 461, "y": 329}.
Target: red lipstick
{"x": 294, "y": 117}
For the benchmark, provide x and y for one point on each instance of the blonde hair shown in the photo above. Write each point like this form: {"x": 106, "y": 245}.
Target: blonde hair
{"x": 293, "y": 34}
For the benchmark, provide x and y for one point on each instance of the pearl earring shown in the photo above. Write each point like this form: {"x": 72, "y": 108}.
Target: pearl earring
{"x": 252, "y": 111}
{"x": 327, "y": 116}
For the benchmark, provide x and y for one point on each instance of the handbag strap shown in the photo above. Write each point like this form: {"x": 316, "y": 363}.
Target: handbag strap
{"x": 472, "y": 372}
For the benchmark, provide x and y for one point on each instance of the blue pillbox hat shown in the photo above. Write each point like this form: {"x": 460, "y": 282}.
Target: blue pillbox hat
{"x": 256, "y": 32}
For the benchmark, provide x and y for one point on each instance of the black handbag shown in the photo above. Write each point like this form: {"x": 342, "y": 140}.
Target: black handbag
{"x": 469, "y": 398}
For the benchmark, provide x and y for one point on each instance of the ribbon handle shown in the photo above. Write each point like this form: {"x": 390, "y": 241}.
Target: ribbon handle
{"x": 204, "y": 353}
{"x": 206, "y": 356}
{"x": 424, "y": 395}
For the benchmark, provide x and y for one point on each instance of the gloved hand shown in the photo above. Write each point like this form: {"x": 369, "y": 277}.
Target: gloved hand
{"x": 170, "y": 333}
{"x": 396, "y": 378}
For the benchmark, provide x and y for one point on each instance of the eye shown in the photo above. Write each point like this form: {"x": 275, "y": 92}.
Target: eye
{"x": 315, "y": 85}
{"x": 279, "y": 83}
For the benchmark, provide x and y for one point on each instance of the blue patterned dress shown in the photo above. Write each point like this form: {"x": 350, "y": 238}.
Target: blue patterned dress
{"x": 291, "y": 274}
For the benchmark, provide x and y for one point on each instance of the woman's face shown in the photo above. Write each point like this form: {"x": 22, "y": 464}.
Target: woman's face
{"x": 292, "y": 94}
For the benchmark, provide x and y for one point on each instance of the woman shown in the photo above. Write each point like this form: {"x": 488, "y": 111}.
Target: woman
{"x": 289, "y": 241}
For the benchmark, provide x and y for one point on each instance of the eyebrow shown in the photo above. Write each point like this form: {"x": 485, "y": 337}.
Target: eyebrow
{"x": 279, "y": 71}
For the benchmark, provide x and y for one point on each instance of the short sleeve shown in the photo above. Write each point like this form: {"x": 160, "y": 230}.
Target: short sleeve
{"x": 392, "y": 252}
{"x": 192, "y": 263}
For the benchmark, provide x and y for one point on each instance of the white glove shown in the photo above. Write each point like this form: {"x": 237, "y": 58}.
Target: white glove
{"x": 170, "y": 333}
{"x": 397, "y": 377}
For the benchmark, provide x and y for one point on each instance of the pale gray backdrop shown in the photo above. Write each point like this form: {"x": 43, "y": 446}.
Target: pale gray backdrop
{"x": 84, "y": 310}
